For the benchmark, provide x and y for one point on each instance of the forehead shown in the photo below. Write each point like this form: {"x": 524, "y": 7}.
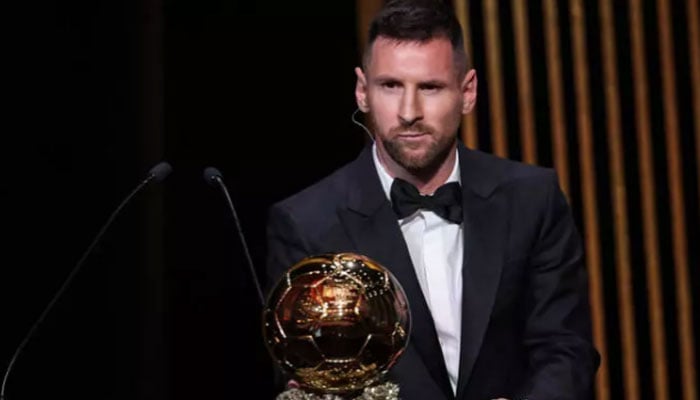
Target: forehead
{"x": 432, "y": 59}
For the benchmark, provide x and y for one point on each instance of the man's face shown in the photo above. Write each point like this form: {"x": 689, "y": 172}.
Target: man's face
{"x": 415, "y": 97}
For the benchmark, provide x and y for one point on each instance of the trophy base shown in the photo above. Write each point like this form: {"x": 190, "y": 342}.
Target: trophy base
{"x": 385, "y": 391}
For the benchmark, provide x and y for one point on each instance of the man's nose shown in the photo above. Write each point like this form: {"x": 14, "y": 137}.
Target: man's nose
{"x": 410, "y": 110}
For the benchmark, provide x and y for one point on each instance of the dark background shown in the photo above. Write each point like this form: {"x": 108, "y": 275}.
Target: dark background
{"x": 98, "y": 92}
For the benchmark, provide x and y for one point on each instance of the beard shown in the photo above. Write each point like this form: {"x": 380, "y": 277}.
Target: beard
{"x": 426, "y": 163}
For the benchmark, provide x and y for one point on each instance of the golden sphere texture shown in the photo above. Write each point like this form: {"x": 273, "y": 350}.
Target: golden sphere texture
{"x": 336, "y": 323}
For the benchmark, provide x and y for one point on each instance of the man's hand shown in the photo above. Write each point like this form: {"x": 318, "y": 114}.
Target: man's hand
{"x": 292, "y": 384}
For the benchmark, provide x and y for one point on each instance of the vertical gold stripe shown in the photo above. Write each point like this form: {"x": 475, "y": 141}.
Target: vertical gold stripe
{"x": 525, "y": 97}
{"x": 470, "y": 135}
{"x": 623, "y": 267}
{"x": 648, "y": 188}
{"x": 495, "y": 78}
{"x": 694, "y": 44}
{"x": 675, "y": 178}
{"x": 366, "y": 9}
{"x": 588, "y": 187}
{"x": 556, "y": 93}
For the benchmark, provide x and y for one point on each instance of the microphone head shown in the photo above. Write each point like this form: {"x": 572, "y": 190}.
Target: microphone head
{"x": 160, "y": 171}
{"x": 211, "y": 174}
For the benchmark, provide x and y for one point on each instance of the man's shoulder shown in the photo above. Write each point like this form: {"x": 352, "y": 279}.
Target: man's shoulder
{"x": 321, "y": 197}
{"x": 320, "y": 190}
{"x": 495, "y": 172}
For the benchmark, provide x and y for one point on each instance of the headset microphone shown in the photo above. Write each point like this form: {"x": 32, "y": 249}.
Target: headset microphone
{"x": 360, "y": 124}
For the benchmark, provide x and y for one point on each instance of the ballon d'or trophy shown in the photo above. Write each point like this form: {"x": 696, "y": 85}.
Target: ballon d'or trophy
{"x": 336, "y": 324}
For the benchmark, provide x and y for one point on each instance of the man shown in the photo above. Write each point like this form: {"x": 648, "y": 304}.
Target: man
{"x": 494, "y": 273}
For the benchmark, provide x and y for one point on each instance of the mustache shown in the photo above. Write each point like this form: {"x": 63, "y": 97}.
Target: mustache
{"x": 414, "y": 127}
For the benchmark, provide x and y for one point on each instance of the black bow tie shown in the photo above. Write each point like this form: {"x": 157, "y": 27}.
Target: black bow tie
{"x": 445, "y": 202}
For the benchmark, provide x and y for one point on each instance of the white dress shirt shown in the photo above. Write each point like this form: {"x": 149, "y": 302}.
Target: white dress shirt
{"x": 436, "y": 249}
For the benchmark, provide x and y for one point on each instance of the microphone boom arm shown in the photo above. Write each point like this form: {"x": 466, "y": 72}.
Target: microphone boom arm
{"x": 158, "y": 173}
{"x": 249, "y": 260}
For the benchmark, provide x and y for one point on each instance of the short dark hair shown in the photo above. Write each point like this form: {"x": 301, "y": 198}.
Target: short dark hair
{"x": 420, "y": 21}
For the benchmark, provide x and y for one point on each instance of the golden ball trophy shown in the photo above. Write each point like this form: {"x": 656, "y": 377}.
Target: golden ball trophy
{"x": 336, "y": 324}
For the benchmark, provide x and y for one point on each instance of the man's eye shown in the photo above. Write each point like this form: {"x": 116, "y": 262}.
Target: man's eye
{"x": 430, "y": 88}
{"x": 390, "y": 85}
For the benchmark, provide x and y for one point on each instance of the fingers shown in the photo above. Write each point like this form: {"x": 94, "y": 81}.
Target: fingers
{"x": 292, "y": 384}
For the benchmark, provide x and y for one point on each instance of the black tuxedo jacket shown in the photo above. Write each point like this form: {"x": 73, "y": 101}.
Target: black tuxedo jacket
{"x": 525, "y": 315}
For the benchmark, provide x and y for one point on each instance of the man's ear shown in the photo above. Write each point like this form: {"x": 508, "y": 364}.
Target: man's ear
{"x": 469, "y": 84}
{"x": 361, "y": 90}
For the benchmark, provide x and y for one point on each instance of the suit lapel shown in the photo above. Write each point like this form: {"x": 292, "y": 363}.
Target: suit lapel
{"x": 484, "y": 238}
{"x": 374, "y": 230}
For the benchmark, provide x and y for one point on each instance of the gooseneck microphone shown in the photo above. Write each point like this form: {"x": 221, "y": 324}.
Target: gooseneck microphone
{"x": 158, "y": 173}
{"x": 213, "y": 177}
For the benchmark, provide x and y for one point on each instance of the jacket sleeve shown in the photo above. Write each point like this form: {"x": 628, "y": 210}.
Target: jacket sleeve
{"x": 562, "y": 358}
{"x": 285, "y": 247}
